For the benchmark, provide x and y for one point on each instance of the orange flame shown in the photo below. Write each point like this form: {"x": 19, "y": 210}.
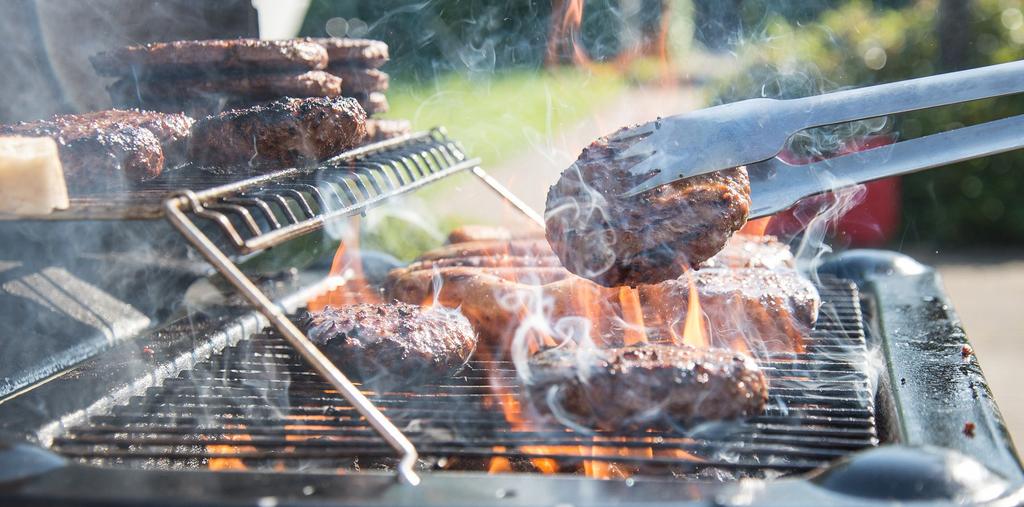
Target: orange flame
{"x": 512, "y": 410}
{"x": 355, "y": 289}
{"x": 695, "y": 333}
{"x": 563, "y": 36}
{"x": 230, "y": 463}
{"x": 756, "y": 227}
{"x": 633, "y": 315}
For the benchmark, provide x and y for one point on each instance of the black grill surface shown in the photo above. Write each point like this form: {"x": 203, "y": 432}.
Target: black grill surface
{"x": 256, "y": 406}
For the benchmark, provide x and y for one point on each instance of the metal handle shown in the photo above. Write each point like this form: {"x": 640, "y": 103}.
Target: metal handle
{"x": 294, "y": 336}
{"x": 775, "y": 185}
{"x": 910, "y": 95}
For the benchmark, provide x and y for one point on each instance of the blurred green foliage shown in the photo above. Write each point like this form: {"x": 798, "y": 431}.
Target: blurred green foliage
{"x": 860, "y": 44}
{"x": 432, "y": 37}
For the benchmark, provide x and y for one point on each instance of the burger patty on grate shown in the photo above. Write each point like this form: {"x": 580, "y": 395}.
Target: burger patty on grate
{"x": 279, "y": 134}
{"x": 210, "y": 57}
{"x": 110, "y": 149}
{"x": 615, "y": 240}
{"x": 769, "y": 309}
{"x": 644, "y": 386}
{"x": 393, "y": 343}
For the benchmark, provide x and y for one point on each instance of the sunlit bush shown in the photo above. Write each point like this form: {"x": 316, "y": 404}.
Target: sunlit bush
{"x": 857, "y": 44}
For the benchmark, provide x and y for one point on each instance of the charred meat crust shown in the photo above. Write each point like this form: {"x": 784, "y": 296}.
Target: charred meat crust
{"x": 353, "y": 52}
{"x": 373, "y": 103}
{"x": 113, "y": 159}
{"x": 467, "y": 233}
{"x": 615, "y": 240}
{"x": 380, "y": 130}
{"x": 283, "y": 133}
{"x": 199, "y": 57}
{"x": 314, "y": 83}
{"x": 644, "y": 386}
{"x": 108, "y": 150}
{"x": 362, "y": 81}
{"x": 767, "y": 310}
{"x": 747, "y": 251}
{"x": 396, "y": 343}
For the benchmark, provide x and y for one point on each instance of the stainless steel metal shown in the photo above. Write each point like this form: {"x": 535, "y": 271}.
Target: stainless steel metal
{"x": 750, "y": 131}
{"x": 776, "y": 185}
{"x": 262, "y": 212}
{"x": 508, "y": 196}
{"x": 295, "y": 337}
{"x": 267, "y": 210}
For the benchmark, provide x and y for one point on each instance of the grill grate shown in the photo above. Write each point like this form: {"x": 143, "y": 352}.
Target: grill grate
{"x": 255, "y": 405}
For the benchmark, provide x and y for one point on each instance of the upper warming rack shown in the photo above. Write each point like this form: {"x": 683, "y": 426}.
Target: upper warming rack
{"x": 267, "y": 210}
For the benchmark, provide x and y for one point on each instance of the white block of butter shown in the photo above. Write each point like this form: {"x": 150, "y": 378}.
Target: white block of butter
{"x": 31, "y": 177}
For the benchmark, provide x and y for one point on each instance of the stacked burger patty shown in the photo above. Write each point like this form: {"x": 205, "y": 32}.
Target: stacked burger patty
{"x": 209, "y": 76}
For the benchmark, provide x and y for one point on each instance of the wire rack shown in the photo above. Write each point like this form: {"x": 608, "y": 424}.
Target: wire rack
{"x": 267, "y": 210}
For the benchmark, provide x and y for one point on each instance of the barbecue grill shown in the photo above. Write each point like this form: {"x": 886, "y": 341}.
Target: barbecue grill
{"x": 224, "y": 405}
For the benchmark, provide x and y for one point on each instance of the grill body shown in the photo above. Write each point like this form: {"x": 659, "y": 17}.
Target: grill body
{"x": 241, "y": 383}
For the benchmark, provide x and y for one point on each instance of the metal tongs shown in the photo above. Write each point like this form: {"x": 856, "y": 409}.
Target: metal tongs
{"x": 754, "y": 132}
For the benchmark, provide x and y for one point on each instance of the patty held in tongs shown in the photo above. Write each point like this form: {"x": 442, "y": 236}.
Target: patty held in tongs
{"x": 615, "y": 240}
{"x": 392, "y": 344}
{"x": 644, "y": 386}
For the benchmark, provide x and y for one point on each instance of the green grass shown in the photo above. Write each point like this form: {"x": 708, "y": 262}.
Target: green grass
{"x": 501, "y": 115}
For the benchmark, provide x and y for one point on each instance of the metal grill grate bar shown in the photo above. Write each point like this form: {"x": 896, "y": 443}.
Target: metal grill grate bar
{"x": 256, "y": 402}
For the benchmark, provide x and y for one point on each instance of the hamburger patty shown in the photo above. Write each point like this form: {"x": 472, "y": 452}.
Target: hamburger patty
{"x": 373, "y": 103}
{"x": 644, "y": 386}
{"x": 107, "y": 150}
{"x": 210, "y": 57}
{"x": 362, "y": 81}
{"x": 250, "y": 88}
{"x": 615, "y": 240}
{"x": 394, "y": 343}
{"x": 283, "y": 133}
{"x": 769, "y": 311}
{"x": 746, "y": 251}
{"x": 343, "y": 52}
{"x": 380, "y": 130}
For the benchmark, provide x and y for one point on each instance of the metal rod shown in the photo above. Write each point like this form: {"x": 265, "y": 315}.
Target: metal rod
{"x": 304, "y": 227}
{"x": 509, "y": 197}
{"x": 294, "y": 336}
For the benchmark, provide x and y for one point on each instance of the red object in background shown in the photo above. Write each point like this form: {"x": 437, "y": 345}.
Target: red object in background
{"x": 871, "y": 222}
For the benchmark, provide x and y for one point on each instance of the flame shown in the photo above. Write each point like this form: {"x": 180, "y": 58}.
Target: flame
{"x": 347, "y": 265}
{"x": 230, "y": 463}
{"x": 695, "y": 333}
{"x": 607, "y": 469}
{"x": 633, "y": 315}
{"x": 563, "y": 36}
{"x": 513, "y": 414}
{"x": 756, "y": 227}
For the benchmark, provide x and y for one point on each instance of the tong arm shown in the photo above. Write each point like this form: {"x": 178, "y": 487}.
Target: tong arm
{"x": 776, "y": 185}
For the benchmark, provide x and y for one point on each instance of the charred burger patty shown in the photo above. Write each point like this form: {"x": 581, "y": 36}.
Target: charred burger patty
{"x": 644, "y": 386}
{"x": 615, "y": 240}
{"x": 392, "y": 343}
{"x": 283, "y": 133}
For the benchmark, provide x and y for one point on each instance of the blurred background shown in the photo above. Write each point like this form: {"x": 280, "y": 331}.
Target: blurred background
{"x": 526, "y": 84}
